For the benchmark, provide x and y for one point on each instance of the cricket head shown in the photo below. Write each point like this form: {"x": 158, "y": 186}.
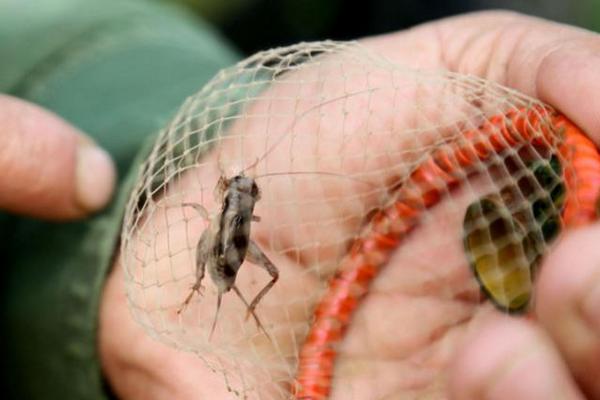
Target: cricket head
{"x": 245, "y": 185}
{"x": 240, "y": 183}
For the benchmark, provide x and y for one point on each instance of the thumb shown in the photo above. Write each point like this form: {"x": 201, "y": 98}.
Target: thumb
{"x": 48, "y": 168}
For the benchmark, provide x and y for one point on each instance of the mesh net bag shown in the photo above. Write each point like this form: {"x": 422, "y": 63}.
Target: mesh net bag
{"x": 396, "y": 205}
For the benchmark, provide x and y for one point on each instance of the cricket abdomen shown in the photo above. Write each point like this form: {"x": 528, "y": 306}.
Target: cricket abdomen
{"x": 239, "y": 198}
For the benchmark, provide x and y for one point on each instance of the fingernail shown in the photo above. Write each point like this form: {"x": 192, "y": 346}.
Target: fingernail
{"x": 95, "y": 176}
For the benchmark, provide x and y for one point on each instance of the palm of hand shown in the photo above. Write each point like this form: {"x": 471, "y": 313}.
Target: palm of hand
{"x": 402, "y": 338}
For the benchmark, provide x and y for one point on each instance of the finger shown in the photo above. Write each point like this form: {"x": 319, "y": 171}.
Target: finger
{"x": 569, "y": 79}
{"x": 569, "y": 304}
{"x": 510, "y": 358}
{"x": 556, "y": 63}
{"x": 49, "y": 169}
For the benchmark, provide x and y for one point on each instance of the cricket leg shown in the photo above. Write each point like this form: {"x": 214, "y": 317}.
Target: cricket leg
{"x": 198, "y": 207}
{"x": 258, "y": 323}
{"x": 256, "y": 256}
{"x": 202, "y": 253}
{"x": 197, "y": 288}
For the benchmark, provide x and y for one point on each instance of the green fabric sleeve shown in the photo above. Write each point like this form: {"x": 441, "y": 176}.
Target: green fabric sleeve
{"x": 118, "y": 70}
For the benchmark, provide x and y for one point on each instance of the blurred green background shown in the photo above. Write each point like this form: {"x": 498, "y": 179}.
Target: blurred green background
{"x": 258, "y": 24}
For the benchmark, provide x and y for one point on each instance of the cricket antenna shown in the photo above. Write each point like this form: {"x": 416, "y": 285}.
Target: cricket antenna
{"x": 336, "y": 174}
{"x": 302, "y": 115}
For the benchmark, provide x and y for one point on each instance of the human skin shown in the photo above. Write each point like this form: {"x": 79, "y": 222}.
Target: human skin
{"x": 555, "y": 356}
{"x": 50, "y": 170}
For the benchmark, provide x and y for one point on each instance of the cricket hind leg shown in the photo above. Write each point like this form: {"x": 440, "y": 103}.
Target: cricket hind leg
{"x": 256, "y": 256}
{"x": 258, "y": 323}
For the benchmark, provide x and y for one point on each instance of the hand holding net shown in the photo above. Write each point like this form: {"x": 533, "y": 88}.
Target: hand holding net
{"x": 390, "y": 198}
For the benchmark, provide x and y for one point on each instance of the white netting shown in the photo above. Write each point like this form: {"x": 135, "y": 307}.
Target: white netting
{"x": 363, "y": 125}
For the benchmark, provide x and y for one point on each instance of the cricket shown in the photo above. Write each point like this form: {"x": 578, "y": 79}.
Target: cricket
{"x": 225, "y": 243}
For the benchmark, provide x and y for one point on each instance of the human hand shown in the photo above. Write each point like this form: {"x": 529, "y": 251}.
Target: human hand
{"x": 555, "y": 352}
{"x": 49, "y": 169}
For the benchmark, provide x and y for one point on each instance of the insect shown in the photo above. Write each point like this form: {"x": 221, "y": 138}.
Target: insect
{"x": 422, "y": 190}
{"x": 225, "y": 244}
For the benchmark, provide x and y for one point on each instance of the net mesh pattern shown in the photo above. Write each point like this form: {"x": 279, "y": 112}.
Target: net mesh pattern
{"x": 331, "y": 132}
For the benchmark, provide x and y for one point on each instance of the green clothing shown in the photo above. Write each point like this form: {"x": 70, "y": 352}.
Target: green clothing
{"x": 118, "y": 70}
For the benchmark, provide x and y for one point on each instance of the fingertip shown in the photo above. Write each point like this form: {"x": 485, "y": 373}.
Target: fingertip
{"x": 569, "y": 269}
{"x": 508, "y": 357}
{"x": 95, "y": 177}
{"x": 49, "y": 168}
{"x": 568, "y": 306}
{"x": 568, "y": 79}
